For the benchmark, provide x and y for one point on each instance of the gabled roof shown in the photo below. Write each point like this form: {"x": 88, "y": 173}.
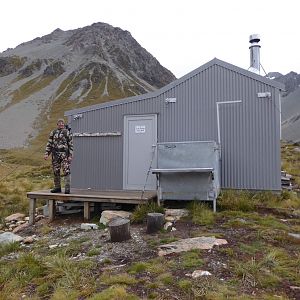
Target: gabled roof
{"x": 176, "y": 82}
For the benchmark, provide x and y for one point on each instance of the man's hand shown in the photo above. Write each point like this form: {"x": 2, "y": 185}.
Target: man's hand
{"x": 46, "y": 156}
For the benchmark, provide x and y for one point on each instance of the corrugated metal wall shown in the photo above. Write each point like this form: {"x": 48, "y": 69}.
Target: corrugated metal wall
{"x": 250, "y": 131}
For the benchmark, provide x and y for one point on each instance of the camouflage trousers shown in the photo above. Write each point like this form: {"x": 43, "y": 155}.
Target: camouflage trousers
{"x": 60, "y": 161}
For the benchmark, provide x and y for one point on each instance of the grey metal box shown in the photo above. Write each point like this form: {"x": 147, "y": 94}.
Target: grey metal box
{"x": 188, "y": 170}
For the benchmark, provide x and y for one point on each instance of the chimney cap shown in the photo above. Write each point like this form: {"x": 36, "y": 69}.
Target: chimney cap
{"x": 254, "y": 38}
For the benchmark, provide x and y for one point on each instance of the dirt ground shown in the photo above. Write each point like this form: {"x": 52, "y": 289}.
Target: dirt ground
{"x": 116, "y": 258}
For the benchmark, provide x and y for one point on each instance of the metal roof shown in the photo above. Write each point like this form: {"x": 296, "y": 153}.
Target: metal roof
{"x": 174, "y": 83}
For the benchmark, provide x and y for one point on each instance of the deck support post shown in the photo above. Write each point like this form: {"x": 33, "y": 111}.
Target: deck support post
{"x": 32, "y": 206}
{"x": 86, "y": 211}
{"x": 51, "y": 210}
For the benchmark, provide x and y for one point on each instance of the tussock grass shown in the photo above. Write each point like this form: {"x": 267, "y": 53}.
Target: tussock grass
{"x": 114, "y": 293}
{"x": 117, "y": 279}
{"x": 237, "y": 200}
{"x": 93, "y": 252}
{"x": 274, "y": 267}
{"x": 201, "y": 214}
{"x": 140, "y": 213}
{"x": 9, "y": 248}
{"x": 165, "y": 278}
{"x": 191, "y": 259}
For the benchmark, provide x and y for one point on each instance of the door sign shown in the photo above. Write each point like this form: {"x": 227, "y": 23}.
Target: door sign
{"x": 140, "y": 129}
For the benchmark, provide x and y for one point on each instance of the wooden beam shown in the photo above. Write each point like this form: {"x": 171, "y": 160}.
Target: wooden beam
{"x": 32, "y": 206}
{"x": 86, "y": 211}
{"x": 51, "y": 204}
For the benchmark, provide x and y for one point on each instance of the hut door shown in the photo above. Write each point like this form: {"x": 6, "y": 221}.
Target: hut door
{"x": 140, "y": 138}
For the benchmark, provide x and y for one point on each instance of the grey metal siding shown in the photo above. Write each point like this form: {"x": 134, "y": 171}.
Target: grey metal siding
{"x": 249, "y": 131}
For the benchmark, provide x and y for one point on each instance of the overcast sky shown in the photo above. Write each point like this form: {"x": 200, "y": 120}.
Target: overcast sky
{"x": 182, "y": 35}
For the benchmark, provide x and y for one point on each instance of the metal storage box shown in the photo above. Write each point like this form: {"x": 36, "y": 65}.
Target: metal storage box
{"x": 188, "y": 171}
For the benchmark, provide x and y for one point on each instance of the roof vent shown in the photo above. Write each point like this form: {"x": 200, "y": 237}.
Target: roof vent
{"x": 254, "y": 40}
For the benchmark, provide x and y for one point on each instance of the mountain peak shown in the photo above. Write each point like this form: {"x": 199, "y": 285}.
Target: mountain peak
{"x": 69, "y": 69}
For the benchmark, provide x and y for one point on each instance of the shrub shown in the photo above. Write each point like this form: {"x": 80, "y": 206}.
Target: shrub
{"x": 141, "y": 211}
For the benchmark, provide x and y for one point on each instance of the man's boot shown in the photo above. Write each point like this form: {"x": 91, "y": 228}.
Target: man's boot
{"x": 67, "y": 184}
{"x": 57, "y": 188}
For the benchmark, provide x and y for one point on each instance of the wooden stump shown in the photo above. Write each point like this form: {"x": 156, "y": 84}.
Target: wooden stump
{"x": 119, "y": 230}
{"x": 155, "y": 222}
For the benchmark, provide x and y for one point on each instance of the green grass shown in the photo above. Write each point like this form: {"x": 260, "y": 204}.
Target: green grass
{"x": 201, "y": 214}
{"x": 117, "y": 279}
{"x": 114, "y": 293}
{"x": 9, "y": 248}
{"x": 191, "y": 259}
{"x": 140, "y": 213}
{"x": 93, "y": 252}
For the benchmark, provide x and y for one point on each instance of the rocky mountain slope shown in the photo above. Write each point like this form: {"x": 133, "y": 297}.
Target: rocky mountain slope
{"x": 290, "y": 105}
{"x": 63, "y": 70}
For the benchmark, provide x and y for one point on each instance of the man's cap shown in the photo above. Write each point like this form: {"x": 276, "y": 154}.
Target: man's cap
{"x": 60, "y": 120}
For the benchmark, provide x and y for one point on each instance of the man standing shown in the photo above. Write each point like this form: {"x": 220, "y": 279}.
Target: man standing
{"x": 60, "y": 145}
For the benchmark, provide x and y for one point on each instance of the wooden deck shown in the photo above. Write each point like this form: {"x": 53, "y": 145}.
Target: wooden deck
{"x": 87, "y": 196}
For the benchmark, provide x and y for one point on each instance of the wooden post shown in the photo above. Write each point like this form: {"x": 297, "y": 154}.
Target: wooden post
{"x": 86, "y": 211}
{"x": 119, "y": 230}
{"x": 155, "y": 222}
{"x": 32, "y": 205}
{"x": 51, "y": 204}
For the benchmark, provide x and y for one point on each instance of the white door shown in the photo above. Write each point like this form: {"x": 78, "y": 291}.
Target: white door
{"x": 140, "y": 138}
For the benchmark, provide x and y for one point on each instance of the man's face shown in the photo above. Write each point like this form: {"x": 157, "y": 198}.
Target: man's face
{"x": 60, "y": 125}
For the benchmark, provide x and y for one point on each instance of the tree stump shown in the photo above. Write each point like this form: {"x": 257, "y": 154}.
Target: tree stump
{"x": 119, "y": 230}
{"x": 155, "y": 222}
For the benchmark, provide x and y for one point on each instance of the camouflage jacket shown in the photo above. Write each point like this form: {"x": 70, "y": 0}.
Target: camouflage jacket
{"x": 60, "y": 140}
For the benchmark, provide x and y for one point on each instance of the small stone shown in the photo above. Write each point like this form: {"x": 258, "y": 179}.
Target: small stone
{"x": 26, "y": 219}
{"x": 39, "y": 217}
{"x": 53, "y": 246}
{"x": 294, "y": 235}
{"x": 173, "y": 229}
{"x": 15, "y": 217}
{"x": 28, "y": 240}
{"x": 88, "y": 226}
{"x": 198, "y": 273}
{"x": 168, "y": 226}
{"x": 20, "y": 222}
{"x": 294, "y": 288}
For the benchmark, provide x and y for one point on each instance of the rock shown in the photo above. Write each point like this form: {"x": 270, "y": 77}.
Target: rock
{"x": 28, "y": 240}
{"x": 292, "y": 287}
{"x": 15, "y": 217}
{"x": 168, "y": 226}
{"x": 20, "y": 227}
{"x": 88, "y": 226}
{"x": 190, "y": 244}
{"x": 12, "y": 226}
{"x": 198, "y": 273}
{"x": 175, "y": 214}
{"x": 39, "y": 217}
{"x": 108, "y": 215}
{"x": 9, "y": 237}
{"x": 20, "y": 222}
{"x": 26, "y": 219}
{"x": 294, "y": 235}
{"x": 53, "y": 246}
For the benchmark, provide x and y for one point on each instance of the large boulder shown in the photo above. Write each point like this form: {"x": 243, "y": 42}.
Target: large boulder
{"x": 108, "y": 215}
{"x": 9, "y": 237}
